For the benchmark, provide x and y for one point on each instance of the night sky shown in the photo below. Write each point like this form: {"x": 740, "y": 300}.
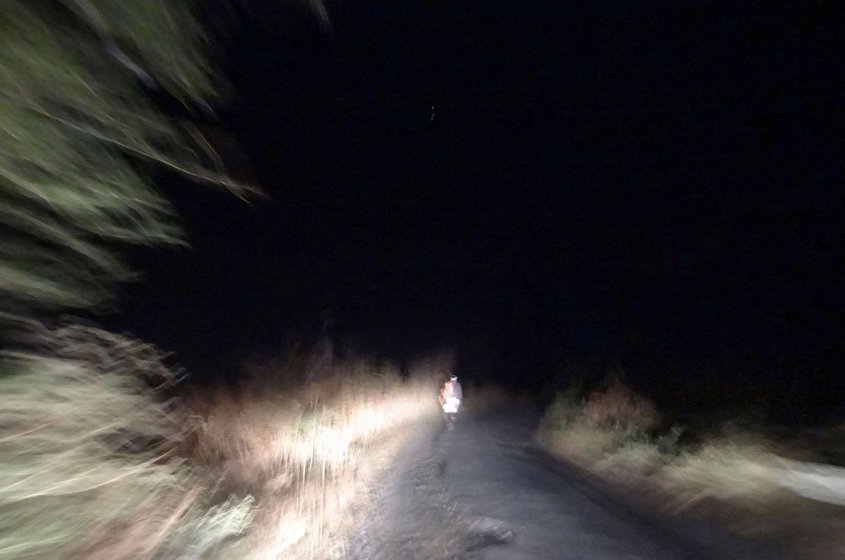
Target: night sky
{"x": 659, "y": 182}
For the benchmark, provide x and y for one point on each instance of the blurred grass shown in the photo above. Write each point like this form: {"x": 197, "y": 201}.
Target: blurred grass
{"x": 87, "y": 451}
{"x": 298, "y": 438}
{"x": 755, "y": 484}
{"x": 100, "y": 459}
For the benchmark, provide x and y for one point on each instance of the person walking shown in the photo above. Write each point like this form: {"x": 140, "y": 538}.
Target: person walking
{"x": 451, "y": 399}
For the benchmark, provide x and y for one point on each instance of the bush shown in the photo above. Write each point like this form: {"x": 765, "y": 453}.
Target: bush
{"x": 562, "y": 413}
{"x": 297, "y": 437}
{"x": 619, "y": 407}
{"x": 87, "y": 452}
{"x": 98, "y": 460}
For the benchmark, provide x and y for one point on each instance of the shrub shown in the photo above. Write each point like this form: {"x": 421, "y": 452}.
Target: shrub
{"x": 98, "y": 462}
{"x": 88, "y": 467}
{"x": 619, "y": 407}
{"x": 562, "y": 413}
{"x": 297, "y": 438}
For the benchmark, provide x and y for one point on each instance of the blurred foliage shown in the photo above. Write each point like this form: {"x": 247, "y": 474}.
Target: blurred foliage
{"x": 301, "y": 435}
{"x": 77, "y": 130}
{"x": 89, "y": 465}
{"x": 562, "y": 412}
{"x": 618, "y": 406}
{"x": 92, "y": 449}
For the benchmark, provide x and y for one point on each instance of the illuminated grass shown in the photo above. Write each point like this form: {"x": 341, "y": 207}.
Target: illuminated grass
{"x": 87, "y": 452}
{"x": 98, "y": 461}
{"x": 754, "y": 485}
{"x": 302, "y": 447}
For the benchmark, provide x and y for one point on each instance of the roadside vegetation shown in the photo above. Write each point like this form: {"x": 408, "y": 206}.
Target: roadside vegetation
{"x": 105, "y": 453}
{"x": 301, "y": 439}
{"x": 756, "y": 480}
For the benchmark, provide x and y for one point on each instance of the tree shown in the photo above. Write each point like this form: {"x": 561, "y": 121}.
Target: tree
{"x": 78, "y": 131}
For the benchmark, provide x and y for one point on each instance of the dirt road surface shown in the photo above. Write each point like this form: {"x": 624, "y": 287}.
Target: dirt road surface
{"x": 481, "y": 492}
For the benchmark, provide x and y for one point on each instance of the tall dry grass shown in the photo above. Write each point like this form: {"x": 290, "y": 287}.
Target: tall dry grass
{"x": 297, "y": 436}
{"x": 88, "y": 462}
{"x": 100, "y": 459}
{"x": 753, "y": 484}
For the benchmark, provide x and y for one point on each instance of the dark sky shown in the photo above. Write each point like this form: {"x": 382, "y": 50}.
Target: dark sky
{"x": 656, "y": 181}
